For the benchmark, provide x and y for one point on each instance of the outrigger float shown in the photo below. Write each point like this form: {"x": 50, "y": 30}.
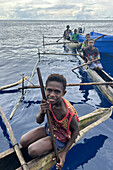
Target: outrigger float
{"x": 13, "y": 84}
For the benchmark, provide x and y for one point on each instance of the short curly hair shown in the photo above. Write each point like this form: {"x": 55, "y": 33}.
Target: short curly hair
{"x": 57, "y": 77}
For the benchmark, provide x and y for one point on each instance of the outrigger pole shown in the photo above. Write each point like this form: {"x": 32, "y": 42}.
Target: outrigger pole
{"x": 14, "y": 142}
{"x": 110, "y": 83}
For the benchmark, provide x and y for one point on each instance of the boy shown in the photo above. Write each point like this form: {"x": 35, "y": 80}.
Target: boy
{"x": 75, "y": 36}
{"x": 85, "y": 42}
{"x": 64, "y": 121}
{"x": 91, "y": 53}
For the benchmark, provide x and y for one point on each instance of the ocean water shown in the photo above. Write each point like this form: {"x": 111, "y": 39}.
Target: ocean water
{"x": 20, "y": 42}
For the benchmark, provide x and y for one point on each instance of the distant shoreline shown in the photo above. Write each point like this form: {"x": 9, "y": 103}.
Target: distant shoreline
{"x": 27, "y": 20}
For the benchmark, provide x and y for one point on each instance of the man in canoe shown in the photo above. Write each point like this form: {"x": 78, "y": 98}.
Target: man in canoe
{"x": 91, "y": 53}
{"x": 67, "y": 33}
{"x": 64, "y": 119}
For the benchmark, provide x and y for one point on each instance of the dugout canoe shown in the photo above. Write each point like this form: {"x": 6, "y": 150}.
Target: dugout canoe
{"x": 103, "y": 77}
{"x": 9, "y": 160}
{"x": 104, "y": 44}
{"x": 13, "y": 84}
{"x": 72, "y": 45}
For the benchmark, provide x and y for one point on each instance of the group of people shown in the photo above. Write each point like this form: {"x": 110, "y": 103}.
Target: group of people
{"x": 63, "y": 116}
{"x": 69, "y": 35}
{"x": 89, "y": 52}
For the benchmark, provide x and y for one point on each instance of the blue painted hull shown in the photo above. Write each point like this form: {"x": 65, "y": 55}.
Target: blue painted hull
{"x": 104, "y": 44}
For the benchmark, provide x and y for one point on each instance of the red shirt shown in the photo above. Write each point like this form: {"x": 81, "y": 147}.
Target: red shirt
{"x": 61, "y": 127}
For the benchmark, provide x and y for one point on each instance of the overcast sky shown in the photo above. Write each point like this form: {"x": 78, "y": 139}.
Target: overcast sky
{"x": 56, "y": 9}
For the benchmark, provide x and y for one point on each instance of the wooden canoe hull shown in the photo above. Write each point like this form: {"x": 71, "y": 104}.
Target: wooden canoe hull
{"x": 9, "y": 160}
{"x": 105, "y": 89}
{"x": 75, "y": 45}
{"x": 72, "y": 45}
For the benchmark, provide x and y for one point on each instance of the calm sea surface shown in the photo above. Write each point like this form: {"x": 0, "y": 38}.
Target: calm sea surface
{"x": 19, "y": 45}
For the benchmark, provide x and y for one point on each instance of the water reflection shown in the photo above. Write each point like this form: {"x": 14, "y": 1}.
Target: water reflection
{"x": 85, "y": 78}
{"x": 5, "y": 133}
{"x": 85, "y": 89}
{"x": 84, "y": 155}
{"x": 9, "y": 91}
{"x": 30, "y": 103}
{"x": 80, "y": 155}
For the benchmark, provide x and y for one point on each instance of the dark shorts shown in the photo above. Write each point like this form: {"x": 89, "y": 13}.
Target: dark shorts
{"x": 59, "y": 144}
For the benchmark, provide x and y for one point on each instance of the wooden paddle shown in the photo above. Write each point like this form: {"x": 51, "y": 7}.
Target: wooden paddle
{"x": 48, "y": 116}
{"x": 89, "y": 62}
{"x": 14, "y": 142}
{"x": 59, "y": 39}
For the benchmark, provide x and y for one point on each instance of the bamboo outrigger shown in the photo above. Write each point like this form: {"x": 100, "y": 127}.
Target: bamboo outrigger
{"x": 9, "y": 160}
{"x": 13, "y": 84}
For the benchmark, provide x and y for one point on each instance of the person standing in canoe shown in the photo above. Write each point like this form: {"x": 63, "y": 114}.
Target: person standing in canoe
{"x": 92, "y": 53}
{"x": 75, "y": 36}
{"x": 64, "y": 119}
{"x": 67, "y": 33}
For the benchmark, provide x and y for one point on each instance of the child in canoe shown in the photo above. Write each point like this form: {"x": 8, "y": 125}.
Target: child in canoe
{"x": 91, "y": 53}
{"x": 64, "y": 119}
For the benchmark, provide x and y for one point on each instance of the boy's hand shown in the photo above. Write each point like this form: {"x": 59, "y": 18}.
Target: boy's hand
{"x": 62, "y": 156}
{"x": 44, "y": 106}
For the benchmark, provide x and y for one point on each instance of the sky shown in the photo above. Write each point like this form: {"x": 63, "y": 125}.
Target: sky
{"x": 56, "y": 10}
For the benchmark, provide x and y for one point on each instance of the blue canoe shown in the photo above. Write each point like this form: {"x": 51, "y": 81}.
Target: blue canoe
{"x": 104, "y": 44}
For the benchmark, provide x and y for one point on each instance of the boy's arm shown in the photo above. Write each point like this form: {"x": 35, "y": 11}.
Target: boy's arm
{"x": 97, "y": 54}
{"x": 64, "y": 33}
{"x": 83, "y": 45}
{"x": 41, "y": 115}
{"x": 99, "y": 37}
{"x": 74, "y": 127}
{"x": 72, "y": 36}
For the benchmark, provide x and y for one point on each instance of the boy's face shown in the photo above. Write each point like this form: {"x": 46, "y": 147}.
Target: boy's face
{"x": 75, "y": 31}
{"x": 90, "y": 43}
{"x": 54, "y": 92}
{"x": 88, "y": 37}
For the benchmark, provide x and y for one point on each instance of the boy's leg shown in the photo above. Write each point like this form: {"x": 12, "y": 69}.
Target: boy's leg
{"x": 40, "y": 147}
{"x": 33, "y": 136}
